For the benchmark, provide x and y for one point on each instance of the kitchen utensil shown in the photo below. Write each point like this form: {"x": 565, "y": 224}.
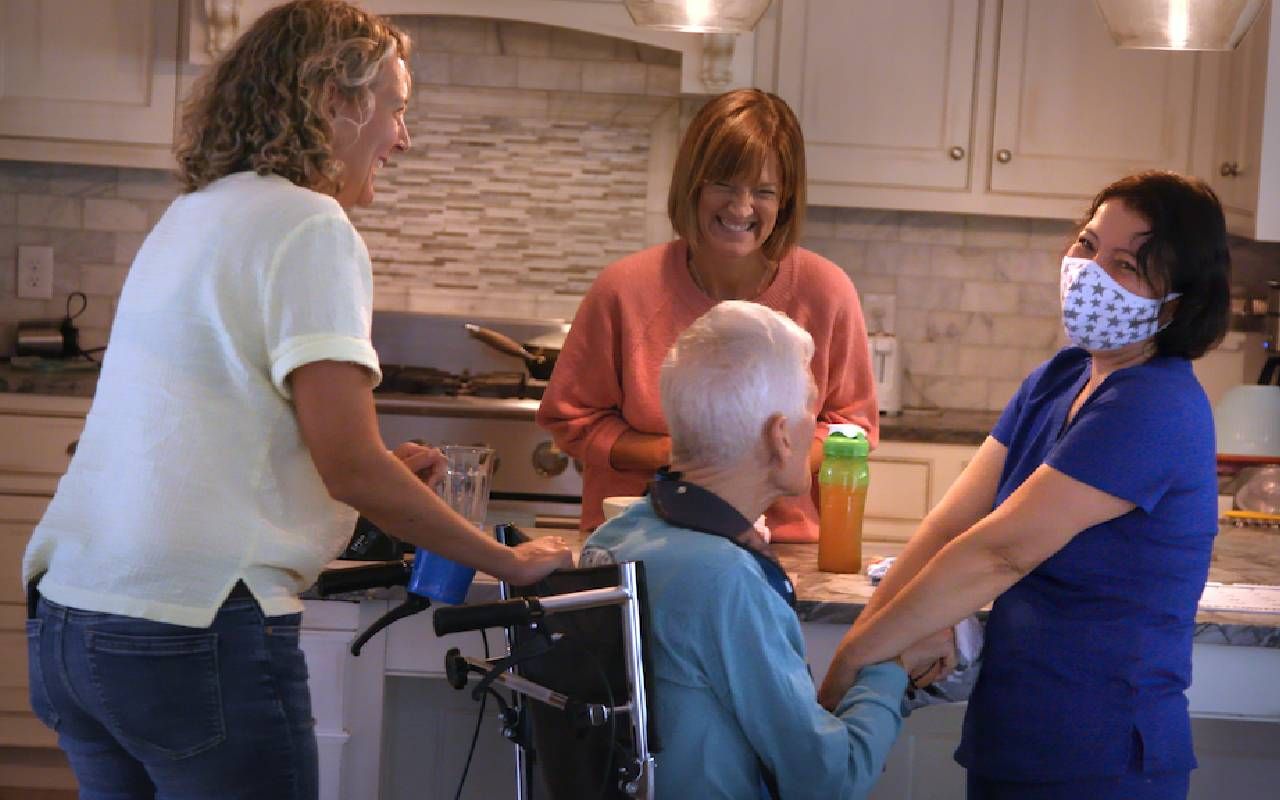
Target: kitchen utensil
{"x": 539, "y": 354}
{"x": 886, "y": 368}
{"x": 1260, "y": 491}
{"x": 613, "y": 506}
{"x": 465, "y": 487}
{"x": 52, "y": 338}
{"x": 1251, "y": 519}
{"x": 1247, "y": 422}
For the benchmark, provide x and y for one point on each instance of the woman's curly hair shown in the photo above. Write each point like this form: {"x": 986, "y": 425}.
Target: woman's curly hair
{"x": 260, "y": 106}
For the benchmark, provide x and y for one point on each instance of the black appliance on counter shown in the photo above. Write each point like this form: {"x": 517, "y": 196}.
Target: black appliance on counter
{"x": 371, "y": 543}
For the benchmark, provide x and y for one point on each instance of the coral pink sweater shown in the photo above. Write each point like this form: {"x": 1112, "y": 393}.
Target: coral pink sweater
{"x": 606, "y": 376}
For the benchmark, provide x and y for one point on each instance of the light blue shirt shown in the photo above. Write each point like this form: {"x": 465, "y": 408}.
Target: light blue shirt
{"x": 731, "y": 688}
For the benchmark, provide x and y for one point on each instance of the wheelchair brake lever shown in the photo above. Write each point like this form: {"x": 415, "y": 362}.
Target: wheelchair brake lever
{"x": 413, "y": 603}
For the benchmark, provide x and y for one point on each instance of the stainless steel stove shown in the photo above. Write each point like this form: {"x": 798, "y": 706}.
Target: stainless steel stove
{"x": 442, "y": 387}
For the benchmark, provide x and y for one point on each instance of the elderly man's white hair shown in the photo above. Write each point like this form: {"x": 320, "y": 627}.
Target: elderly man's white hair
{"x": 732, "y": 369}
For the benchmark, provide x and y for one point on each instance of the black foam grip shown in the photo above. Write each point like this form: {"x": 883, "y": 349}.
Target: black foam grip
{"x": 357, "y": 579}
{"x": 456, "y": 619}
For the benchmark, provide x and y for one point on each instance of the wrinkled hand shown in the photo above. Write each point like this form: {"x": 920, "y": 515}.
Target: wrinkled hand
{"x": 427, "y": 463}
{"x": 537, "y": 559}
{"x": 931, "y": 659}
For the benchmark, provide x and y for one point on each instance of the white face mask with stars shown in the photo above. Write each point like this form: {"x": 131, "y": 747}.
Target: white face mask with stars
{"x": 1099, "y": 313}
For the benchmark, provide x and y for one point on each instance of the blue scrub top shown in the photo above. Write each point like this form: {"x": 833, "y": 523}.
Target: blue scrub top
{"x": 1089, "y": 655}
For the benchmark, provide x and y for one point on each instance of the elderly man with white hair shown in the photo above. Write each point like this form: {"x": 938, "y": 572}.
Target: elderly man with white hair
{"x": 734, "y": 702}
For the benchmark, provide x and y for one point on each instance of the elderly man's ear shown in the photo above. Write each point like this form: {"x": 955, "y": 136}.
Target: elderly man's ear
{"x": 777, "y": 439}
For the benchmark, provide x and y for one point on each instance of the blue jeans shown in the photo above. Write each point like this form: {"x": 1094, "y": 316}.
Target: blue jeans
{"x": 150, "y": 710}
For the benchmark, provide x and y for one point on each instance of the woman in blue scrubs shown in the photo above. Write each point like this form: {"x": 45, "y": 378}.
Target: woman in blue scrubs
{"x": 1088, "y": 517}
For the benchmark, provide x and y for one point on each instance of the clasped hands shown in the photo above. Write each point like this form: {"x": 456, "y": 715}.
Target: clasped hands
{"x": 927, "y": 661}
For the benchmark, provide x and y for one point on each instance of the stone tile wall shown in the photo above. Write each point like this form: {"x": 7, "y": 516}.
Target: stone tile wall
{"x": 539, "y": 156}
{"x": 973, "y": 300}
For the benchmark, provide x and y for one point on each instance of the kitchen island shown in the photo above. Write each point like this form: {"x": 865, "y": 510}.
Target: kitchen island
{"x": 1234, "y": 699}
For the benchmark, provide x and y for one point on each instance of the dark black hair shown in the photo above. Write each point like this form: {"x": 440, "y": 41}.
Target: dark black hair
{"x": 1185, "y": 253}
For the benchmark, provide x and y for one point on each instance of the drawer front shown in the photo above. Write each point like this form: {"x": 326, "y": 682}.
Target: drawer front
{"x": 37, "y": 451}
{"x": 18, "y": 517}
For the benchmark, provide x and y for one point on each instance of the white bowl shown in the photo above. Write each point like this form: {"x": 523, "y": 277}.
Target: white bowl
{"x": 1247, "y": 421}
{"x": 613, "y": 506}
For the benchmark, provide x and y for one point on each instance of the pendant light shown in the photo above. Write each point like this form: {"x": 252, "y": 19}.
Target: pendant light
{"x": 1179, "y": 24}
{"x": 697, "y": 16}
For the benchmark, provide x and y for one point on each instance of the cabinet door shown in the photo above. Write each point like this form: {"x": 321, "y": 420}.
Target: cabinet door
{"x": 1073, "y": 112}
{"x": 37, "y": 451}
{"x": 1237, "y": 138}
{"x": 884, "y": 91}
{"x": 101, "y": 72}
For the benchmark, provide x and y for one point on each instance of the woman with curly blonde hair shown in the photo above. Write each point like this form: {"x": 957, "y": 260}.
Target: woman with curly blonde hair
{"x": 233, "y": 436}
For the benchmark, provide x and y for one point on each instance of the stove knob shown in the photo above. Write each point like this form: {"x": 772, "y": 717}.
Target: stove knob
{"x": 548, "y": 460}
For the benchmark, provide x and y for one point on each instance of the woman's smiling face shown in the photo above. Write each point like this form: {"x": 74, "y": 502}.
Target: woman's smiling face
{"x": 1112, "y": 239}
{"x": 736, "y": 217}
{"x": 364, "y": 138}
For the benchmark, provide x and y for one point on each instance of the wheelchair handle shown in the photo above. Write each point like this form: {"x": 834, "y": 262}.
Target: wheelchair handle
{"x": 456, "y": 619}
{"x": 358, "y": 579}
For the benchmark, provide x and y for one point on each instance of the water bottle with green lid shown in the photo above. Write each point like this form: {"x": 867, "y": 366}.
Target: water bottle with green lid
{"x": 842, "y": 496}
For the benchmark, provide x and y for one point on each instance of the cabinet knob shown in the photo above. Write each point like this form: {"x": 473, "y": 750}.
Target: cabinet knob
{"x": 1004, "y": 156}
{"x": 956, "y": 153}
{"x": 71, "y": 448}
{"x": 1229, "y": 169}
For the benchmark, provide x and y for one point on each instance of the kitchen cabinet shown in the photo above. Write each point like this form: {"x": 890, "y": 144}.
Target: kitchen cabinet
{"x": 39, "y": 435}
{"x": 884, "y": 91}
{"x": 1244, "y": 168}
{"x": 88, "y": 83}
{"x": 346, "y": 695}
{"x": 907, "y": 479}
{"x": 1022, "y": 108}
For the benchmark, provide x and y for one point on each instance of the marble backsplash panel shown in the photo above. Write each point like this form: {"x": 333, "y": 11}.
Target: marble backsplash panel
{"x": 974, "y": 299}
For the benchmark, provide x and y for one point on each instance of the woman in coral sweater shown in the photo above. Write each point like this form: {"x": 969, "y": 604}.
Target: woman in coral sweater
{"x": 736, "y": 202}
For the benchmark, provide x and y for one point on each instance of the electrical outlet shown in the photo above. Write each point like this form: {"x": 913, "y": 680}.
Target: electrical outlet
{"x": 877, "y": 310}
{"x": 35, "y": 272}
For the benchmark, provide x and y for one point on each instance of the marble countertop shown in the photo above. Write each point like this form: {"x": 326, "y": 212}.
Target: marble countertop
{"x": 1240, "y": 555}
{"x": 57, "y": 379}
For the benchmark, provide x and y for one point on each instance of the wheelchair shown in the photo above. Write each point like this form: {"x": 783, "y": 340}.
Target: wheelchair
{"x": 576, "y": 667}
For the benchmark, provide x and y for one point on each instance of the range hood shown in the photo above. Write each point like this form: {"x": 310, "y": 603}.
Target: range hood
{"x": 711, "y": 62}
{"x": 1179, "y": 24}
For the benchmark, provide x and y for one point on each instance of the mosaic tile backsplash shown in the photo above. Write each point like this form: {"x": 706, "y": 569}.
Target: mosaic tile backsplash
{"x": 540, "y": 156}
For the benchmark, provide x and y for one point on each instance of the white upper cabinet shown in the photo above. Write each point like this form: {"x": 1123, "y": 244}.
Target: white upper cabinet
{"x": 884, "y": 91}
{"x": 88, "y": 82}
{"x": 1021, "y": 107}
{"x": 1245, "y": 165}
{"x": 1073, "y": 112}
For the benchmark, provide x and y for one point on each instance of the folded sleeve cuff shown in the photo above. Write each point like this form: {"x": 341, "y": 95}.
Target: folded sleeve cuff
{"x": 601, "y": 441}
{"x": 886, "y": 679}
{"x": 301, "y": 350}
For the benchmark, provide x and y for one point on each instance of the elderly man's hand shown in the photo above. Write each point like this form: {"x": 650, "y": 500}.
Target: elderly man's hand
{"x": 427, "y": 463}
{"x": 931, "y": 659}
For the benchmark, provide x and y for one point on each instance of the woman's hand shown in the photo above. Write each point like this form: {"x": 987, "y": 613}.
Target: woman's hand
{"x": 536, "y": 559}
{"x": 427, "y": 463}
{"x": 931, "y": 659}
{"x": 925, "y": 662}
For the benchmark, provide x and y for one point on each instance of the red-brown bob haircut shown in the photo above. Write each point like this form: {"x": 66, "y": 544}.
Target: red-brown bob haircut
{"x": 732, "y": 138}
